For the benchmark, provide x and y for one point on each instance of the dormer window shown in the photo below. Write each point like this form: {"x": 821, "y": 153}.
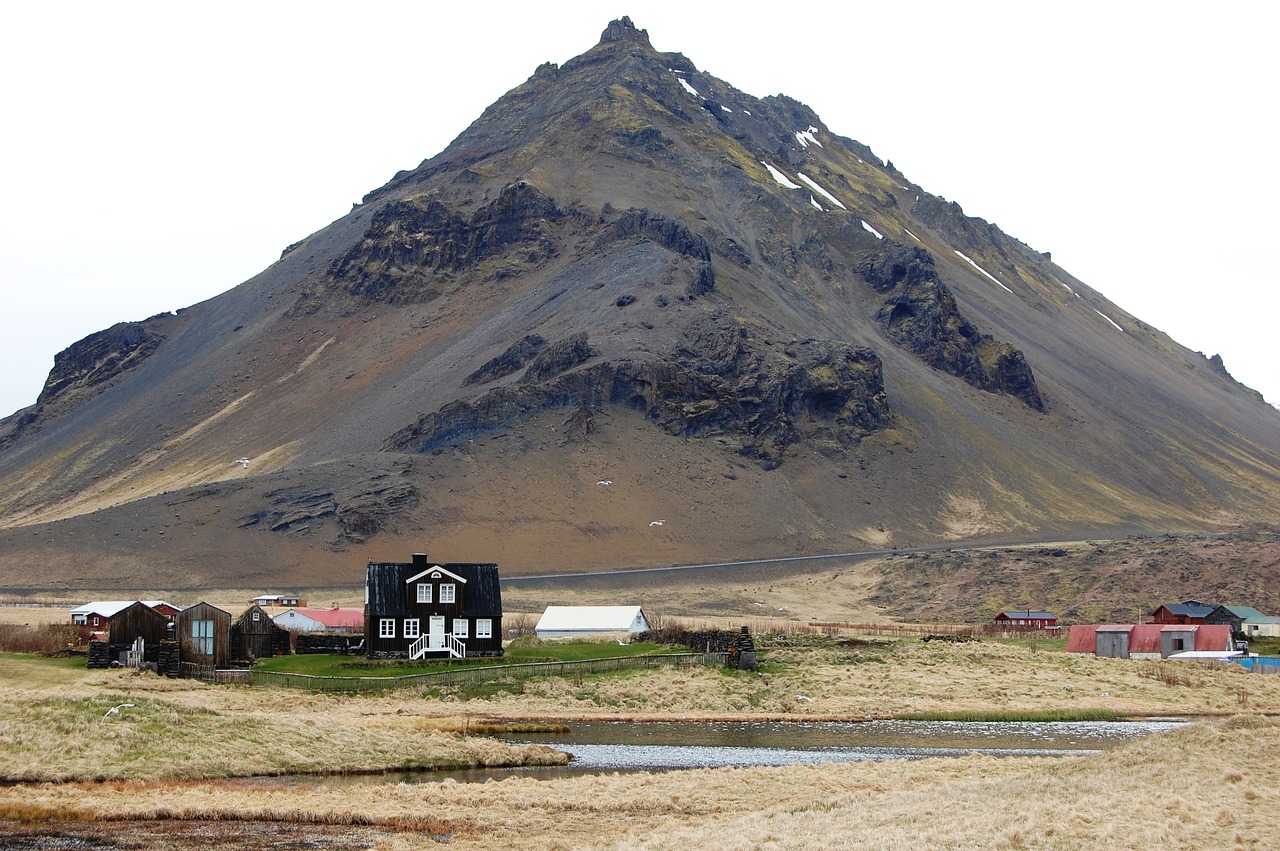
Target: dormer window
{"x": 424, "y": 592}
{"x": 446, "y": 592}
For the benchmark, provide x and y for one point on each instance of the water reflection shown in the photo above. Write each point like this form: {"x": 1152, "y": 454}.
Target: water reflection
{"x": 603, "y": 746}
{"x": 607, "y": 746}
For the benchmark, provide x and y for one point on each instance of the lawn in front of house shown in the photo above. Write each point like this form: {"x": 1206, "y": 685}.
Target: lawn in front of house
{"x": 518, "y": 653}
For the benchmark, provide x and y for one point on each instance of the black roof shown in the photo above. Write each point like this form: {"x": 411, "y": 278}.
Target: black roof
{"x": 388, "y": 597}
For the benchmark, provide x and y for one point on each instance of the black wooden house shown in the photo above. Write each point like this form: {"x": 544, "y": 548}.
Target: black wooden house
{"x": 432, "y": 609}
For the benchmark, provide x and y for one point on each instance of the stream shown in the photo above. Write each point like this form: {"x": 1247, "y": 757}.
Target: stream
{"x": 603, "y": 747}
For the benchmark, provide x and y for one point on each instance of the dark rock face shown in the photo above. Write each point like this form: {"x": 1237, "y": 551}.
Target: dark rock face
{"x": 622, "y": 29}
{"x": 98, "y": 358}
{"x": 412, "y": 240}
{"x": 920, "y": 314}
{"x": 558, "y": 357}
{"x": 514, "y": 358}
{"x": 672, "y": 235}
{"x": 85, "y": 369}
{"x": 360, "y": 509}
{"x": 719, "y": 381}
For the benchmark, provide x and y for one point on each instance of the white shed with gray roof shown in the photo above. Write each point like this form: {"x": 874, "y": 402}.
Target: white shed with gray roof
{"x": 570, "y": 621}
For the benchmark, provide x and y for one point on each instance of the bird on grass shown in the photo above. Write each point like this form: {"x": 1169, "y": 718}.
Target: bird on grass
{"x": 115, "y": 710}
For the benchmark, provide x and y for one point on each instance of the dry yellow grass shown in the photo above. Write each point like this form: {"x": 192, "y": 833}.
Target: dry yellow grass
{"x": 1210, "y": 785}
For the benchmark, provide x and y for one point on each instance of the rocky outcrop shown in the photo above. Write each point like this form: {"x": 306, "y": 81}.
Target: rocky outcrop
{"x": 360, "y": 509}
{"x": 516, "y": 356}
{"x": 99, "y": 358}
{"x": 672, "y": 235}
{"x": 920, "y": 314}
{"x": 719, "y": 381}
{"x": 411, "y": 242}
{"x": 559, "y": 357}
{"x": 83, "y": 370}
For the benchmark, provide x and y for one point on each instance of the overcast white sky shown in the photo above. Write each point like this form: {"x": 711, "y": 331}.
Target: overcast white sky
{"x": 156, "y": 154}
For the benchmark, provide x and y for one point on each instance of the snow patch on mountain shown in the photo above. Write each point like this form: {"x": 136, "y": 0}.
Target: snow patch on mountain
{"x": 816, "y": 188}
{"x": 779, "y": 176}
{"x": 983, "y": 271}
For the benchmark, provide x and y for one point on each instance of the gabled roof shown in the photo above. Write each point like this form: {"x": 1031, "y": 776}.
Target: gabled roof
{"x": 588, "y": 618}
{"x": 1010, "y": 614}
{"x": 1250, "y": 614}
{"x": 1189, "y": 609}
{"x": 111, "y": 608}
{"x": 436, "y": 568}
{"x": 334, "y": 618}
{"x": 388, "y": 596}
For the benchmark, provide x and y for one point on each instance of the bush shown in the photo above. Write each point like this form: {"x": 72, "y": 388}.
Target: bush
{"x": 49, "y": 639}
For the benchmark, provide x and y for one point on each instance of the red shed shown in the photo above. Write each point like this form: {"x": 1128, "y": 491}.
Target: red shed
{"x": 1147, "y": 640}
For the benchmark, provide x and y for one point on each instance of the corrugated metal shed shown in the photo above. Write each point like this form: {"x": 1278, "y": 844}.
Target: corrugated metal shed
{"x": 561, "y": 621}
{"x": 1147, "y": 639}
{"x": 1082, "y": 637}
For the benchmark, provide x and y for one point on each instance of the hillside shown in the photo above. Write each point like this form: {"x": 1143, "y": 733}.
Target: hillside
{"x": 631, "y": 316}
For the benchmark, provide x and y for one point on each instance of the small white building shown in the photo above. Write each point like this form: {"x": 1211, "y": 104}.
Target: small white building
{"x": 321, "y": 620}
{"x": 590, "y": 621}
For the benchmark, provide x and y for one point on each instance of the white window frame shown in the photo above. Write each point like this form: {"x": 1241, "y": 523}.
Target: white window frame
{"x": 484, "y": 628}
{"x": 202, "y": 636}
{"x": 461, "y": 628}
{"x": 411, "y": 628}
{"x": 448, "y": 592}
{"x": 424, "y": 592}
{"x": 386, "y": 627}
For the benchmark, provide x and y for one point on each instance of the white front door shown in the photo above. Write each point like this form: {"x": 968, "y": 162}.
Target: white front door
{"x": 436, "y": 631}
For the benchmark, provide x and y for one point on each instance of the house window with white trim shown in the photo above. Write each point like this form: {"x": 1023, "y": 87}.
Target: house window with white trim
{"x": 484, "y": 628}
{"x": 202, "y": 636}
{"x": 424, "y": 592}
{"x": 460, "y": 626}
{"x": 410, "y": 627}
{"x": 446, "y": 592}
{"x": 387, "y": 628}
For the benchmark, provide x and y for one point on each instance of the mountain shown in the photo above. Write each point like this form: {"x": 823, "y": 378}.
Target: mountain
{"x": 631, "y": 316}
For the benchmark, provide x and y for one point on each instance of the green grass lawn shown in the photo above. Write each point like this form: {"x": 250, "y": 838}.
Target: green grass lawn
{"x": 327, "y": 665}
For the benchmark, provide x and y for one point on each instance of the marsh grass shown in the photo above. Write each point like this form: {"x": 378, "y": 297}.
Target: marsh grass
{"x": 999, "y": 715}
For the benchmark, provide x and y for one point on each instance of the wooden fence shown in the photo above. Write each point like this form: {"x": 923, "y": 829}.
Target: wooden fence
{"x": 488, "y": 673}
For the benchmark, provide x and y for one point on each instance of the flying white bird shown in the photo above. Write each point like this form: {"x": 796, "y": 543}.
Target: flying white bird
{"x": 115, "y": 710}
{"x": 655, "y": 522}
{"x": 243, "y": 462}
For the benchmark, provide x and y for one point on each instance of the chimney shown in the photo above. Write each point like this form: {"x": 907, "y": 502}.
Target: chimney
{"x": 419, "y": 559}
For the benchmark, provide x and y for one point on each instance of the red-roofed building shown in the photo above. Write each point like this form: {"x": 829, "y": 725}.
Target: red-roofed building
{"x": 321, "y": 620}
{"x": 1147, "y": 640}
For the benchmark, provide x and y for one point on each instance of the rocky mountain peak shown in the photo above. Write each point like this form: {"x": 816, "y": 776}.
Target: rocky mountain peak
{"x": 622, "y": 30}
{"x": 630, "y": 289}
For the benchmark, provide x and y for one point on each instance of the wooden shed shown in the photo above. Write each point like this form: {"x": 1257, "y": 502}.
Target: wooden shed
{"x": 255, "y": 635}
{"x": 203, "y": 633}
{"x": 138, "y": 620}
